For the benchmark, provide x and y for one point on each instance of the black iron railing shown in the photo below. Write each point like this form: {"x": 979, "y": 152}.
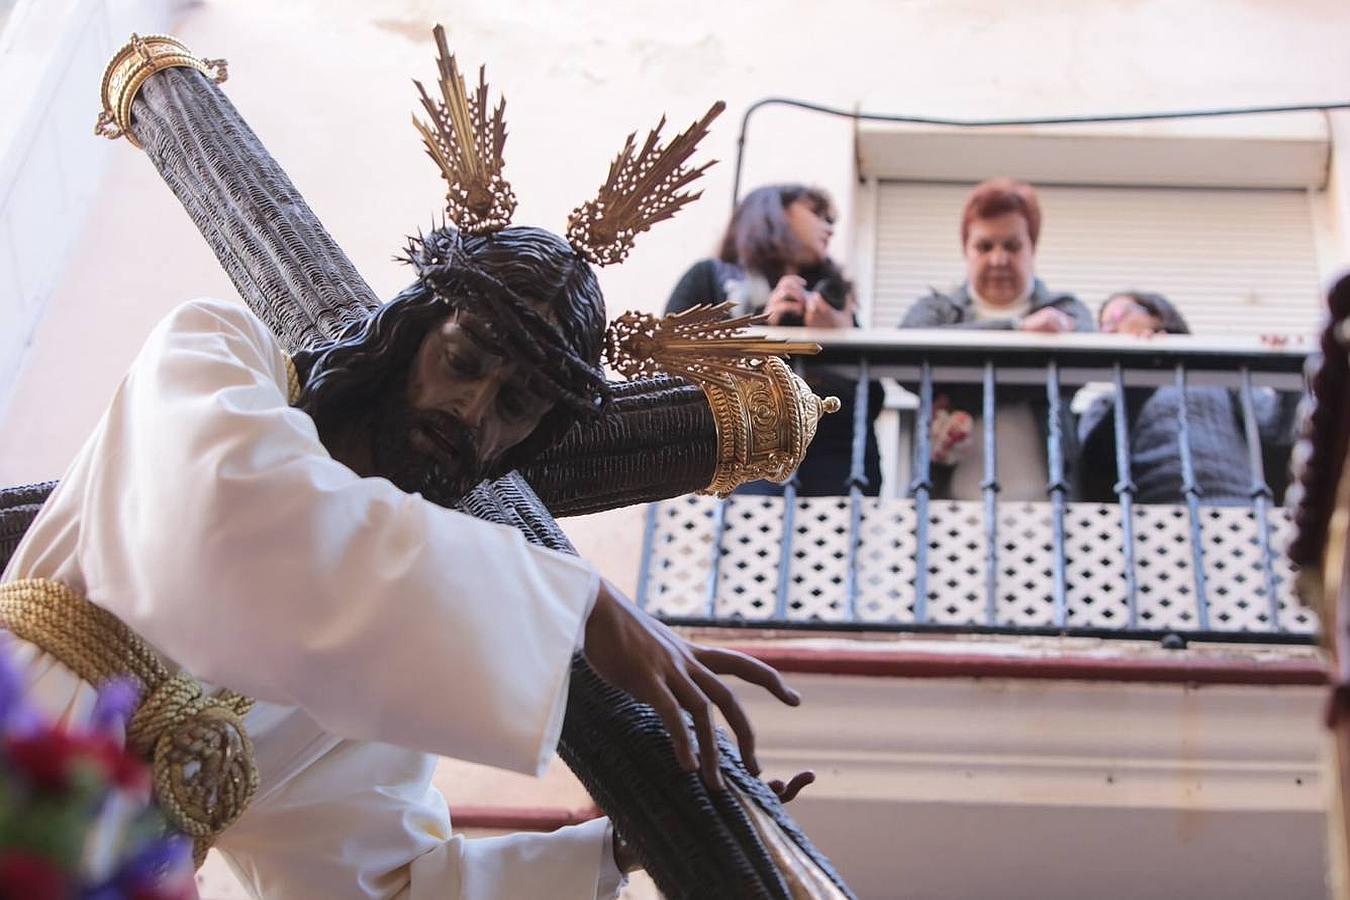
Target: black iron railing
{"x": 913, "y": 560}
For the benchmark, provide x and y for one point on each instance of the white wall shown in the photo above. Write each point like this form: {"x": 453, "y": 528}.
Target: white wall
{"x": 52, "y": 54}
{"x": 327, "y": 86}
{"x": 938, "y": 789}
{"x": 1334, "y": 247}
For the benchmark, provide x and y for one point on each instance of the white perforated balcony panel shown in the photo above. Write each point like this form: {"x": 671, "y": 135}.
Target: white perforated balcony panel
{"x": 748, "y": 569}
{"x": 1234, "y": 261}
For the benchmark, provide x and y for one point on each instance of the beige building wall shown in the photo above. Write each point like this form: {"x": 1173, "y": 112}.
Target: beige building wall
{"x": 328, "y": 87}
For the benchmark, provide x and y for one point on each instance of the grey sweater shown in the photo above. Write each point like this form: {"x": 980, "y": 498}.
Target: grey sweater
{"x": 957, "y": 309}
{"x": 1218, "y": 444}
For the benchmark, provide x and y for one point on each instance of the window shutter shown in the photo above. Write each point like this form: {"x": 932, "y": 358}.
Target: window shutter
{"x": 1234, "y": 261}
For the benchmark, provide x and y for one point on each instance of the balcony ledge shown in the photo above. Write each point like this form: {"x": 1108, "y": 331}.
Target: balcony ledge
{"x": 1067, "y": 659}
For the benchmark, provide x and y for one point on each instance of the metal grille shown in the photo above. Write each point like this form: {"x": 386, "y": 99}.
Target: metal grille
{"x": 748, "y": 573}
{"x": 677, "y": 556}
{"x": 723, "y": 561}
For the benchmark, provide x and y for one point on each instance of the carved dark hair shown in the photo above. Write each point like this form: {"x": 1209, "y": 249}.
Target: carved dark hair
{"x": 528, "y": 297}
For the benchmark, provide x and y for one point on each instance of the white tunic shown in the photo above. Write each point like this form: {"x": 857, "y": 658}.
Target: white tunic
{"x": 373, "y": 628}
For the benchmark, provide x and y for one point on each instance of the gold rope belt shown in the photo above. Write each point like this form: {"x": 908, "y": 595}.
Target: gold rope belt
{"x": 202, "y": 759}
{"x": 203, "y": 770}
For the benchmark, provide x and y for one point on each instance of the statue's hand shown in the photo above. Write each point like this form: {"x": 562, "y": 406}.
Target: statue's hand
{"x": 635, "y": 653}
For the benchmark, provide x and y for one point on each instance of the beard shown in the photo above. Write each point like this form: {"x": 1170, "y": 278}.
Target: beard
{"x": 427, "y": 452}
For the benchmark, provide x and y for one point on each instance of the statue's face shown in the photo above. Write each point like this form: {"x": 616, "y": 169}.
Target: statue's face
{"x": 452, "y": 374}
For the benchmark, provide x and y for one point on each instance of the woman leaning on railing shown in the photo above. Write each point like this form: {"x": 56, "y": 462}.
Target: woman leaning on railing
{"x": 1000, "y": 225}
{"x": 1216, "y": 422}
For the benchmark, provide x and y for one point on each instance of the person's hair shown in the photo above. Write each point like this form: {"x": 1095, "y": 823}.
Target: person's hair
{"x": 499, "y": 279}
{"x": 758, "y": 237}
{"x": 1156, "y": 305}
{"x": 998, "y": 197}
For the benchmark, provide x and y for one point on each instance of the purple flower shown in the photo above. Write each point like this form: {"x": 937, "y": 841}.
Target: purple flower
{"x": 105, "y": 892}
{"x": 157, "y": 864}
{"x": 11, "y": 685}
{"x": 23, "y": 722}
{"x": 151, "y": 873}
{"x": 116, "y": 702}
{"x": 81, "y": 798}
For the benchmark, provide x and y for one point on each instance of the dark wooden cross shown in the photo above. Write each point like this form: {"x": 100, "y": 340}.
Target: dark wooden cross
{"x": 659, "y": 441}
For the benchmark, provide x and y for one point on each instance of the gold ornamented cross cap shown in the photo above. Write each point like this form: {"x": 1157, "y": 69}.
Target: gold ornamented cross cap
{"x": 137, "y": 60}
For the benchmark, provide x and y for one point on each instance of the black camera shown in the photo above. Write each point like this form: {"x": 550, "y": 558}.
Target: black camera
{"x": 834, "y": 288}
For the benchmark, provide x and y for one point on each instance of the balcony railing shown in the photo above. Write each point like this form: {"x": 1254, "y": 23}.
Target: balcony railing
{"x": 906, "y": 561}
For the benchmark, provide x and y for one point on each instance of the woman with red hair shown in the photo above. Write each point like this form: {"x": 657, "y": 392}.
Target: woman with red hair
{"x": 1000, "y": 226}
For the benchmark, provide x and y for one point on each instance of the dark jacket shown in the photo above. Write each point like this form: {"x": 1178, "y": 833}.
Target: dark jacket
{"x": 1218, "y": 444}
{"x": 704, "y": 282}
{"x": 957, "y": 310}
{"x": 828, "y": 462}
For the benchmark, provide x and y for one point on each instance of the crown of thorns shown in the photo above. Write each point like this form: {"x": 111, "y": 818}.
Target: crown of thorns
{"x": 506, "y": 325}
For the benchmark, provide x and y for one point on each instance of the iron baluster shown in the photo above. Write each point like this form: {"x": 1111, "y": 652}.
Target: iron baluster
{"x": 715, "y": 570}
{"x": 856, "y": 481}
{"x": 1124, "y": 489}
{"x": 1056, "y": 488}
{"x": 780, "y": 601}
{"x": 989, "y": 487}
{"x": 1190, "y": 489}
{"x": 920, "y": 486}
{"x": 1261, "y": 495}
{"x": 648, "y": 548}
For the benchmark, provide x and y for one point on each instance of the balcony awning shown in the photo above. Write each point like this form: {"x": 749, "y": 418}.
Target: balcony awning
{"x": 1287, "y": 150}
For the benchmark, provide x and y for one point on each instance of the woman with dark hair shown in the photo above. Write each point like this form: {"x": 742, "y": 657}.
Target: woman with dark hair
{"x": 1214, "y": 415}
{"x": 774, "y": 259}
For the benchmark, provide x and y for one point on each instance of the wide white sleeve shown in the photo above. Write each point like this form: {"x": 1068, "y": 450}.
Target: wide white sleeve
{"x": 370, "y": 813}
{"x": 218, "y": 527}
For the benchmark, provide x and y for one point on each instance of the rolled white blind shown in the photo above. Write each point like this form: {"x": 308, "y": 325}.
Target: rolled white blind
{"x": 1234, "y": 261}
